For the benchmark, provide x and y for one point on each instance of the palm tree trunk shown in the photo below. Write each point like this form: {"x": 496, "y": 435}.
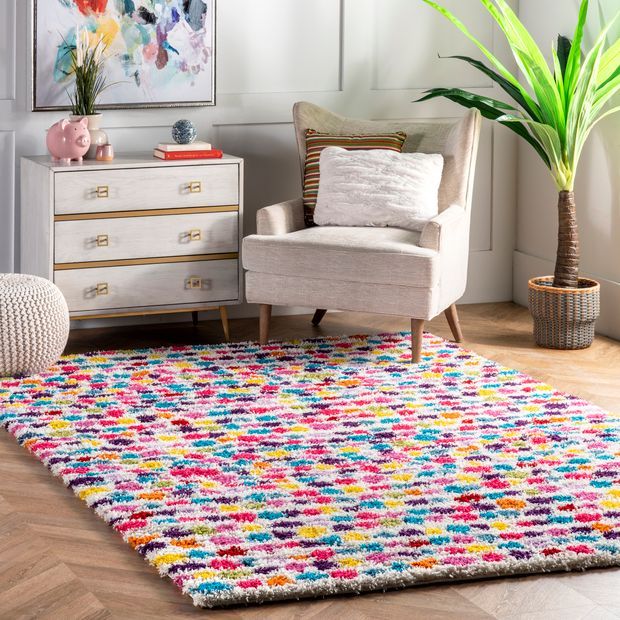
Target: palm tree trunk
{"x": 567, "y": 260}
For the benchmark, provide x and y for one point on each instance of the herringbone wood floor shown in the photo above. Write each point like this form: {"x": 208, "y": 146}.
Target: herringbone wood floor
{"x": 60, "y": 561}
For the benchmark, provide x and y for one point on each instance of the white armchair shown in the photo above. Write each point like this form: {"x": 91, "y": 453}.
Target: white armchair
{"x": 381, "y": 270}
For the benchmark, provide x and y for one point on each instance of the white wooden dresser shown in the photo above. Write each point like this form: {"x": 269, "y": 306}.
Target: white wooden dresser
{"x": 137, "y": 235}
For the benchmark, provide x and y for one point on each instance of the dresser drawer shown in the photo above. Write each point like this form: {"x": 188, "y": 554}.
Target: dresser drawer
{"x": 107, "y": 288}
{"x": 101, "y": 191}
{"x": 145, "y": 237}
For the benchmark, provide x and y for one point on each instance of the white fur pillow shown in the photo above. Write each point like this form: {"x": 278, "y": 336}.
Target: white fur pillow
{"x": 377, "y": 188}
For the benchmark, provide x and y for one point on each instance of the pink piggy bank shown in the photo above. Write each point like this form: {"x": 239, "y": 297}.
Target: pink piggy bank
{"x": 68, "y": 140}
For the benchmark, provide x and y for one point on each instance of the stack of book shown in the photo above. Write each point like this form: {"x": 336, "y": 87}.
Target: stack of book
{"x": 195, "y": 150}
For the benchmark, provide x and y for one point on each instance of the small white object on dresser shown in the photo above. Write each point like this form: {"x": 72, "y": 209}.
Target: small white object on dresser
{"x": 137, "y": 235}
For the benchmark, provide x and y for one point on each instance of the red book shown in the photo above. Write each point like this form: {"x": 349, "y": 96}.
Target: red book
{"x": 210, "y": 154}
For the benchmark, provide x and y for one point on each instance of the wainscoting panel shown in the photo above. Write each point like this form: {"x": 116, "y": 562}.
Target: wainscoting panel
{"x": 277, "y": 46}
{"x": 138, "y": 138}
{"x": 7, "y": 49}
{"x": 480, "y": 238}
{"x": 7, "y": 198}
{"x": 408, "y": 37}
{"x": 272, "y": 171}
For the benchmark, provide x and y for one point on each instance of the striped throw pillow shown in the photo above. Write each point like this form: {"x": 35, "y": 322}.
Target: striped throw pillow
{"x": 316, "y": 142}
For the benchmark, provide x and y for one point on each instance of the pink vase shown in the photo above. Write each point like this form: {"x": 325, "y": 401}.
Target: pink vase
{"x": 98, "y": 137}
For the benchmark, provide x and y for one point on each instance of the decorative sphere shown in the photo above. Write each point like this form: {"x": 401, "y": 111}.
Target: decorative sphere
{"x": 184, "y": 132}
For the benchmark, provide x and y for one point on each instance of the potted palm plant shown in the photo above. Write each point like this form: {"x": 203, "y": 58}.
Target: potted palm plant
{"x": 554, "y": 109}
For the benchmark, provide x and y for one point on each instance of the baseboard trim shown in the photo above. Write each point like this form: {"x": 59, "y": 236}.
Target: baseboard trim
{"x": 526, "y": 266}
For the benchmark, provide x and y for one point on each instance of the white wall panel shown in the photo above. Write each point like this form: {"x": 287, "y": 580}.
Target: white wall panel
{"x": 138, "y": 138}
{"x": 7, "y": 199}
{"x": 482, "y": 204}
{"x": 7, "y": 49}
{"x": 272, "y": 172}
{"x": 408, "y": 35}
{"x": 277, "y": 46}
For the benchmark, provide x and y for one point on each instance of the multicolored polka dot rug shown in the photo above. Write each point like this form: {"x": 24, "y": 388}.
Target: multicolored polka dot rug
{"x": 248, "y": 473}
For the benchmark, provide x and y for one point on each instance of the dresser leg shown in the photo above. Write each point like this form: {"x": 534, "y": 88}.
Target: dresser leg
{"x": 224, "y": 319}
{"x": 195, "y": 318}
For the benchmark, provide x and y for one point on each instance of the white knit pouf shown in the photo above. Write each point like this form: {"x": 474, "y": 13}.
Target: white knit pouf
{"x": 34, "y": 324}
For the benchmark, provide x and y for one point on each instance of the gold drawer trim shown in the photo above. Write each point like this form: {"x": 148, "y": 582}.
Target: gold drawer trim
{"x": 146, "y": 261}
{"x": 69, "y": 217}
{"x": 113, "y": 315}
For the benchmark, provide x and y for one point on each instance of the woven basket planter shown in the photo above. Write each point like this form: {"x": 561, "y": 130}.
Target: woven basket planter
{"x": 564, "y": 318}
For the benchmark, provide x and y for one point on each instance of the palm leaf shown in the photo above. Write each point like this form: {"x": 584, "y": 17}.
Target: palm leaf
{"x": 531, "y": 62}
{"x": 584, "y": 99}
{"x": 529, "y": 106}
{"x": 489, "y": 108}
{"x": 601, "y": 88}
{"x": 550, "y": 141}
{"x": 518, "y": 36}
{"x": 573, "y": 63}
{"x": 558, "y": 76}
{"x": 563, "y": 50}
{"x": 605, "y": 93}
{"x": 494, "y": 60}
{"x": 603, "y": 96}
{"x": 463, "y": 94}
{"x": 610, "y": 60}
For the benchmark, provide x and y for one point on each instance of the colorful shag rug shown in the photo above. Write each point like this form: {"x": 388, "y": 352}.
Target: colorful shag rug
{"x": 249, "y": 473}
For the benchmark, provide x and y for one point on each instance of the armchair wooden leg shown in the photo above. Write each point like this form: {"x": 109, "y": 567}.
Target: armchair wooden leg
{"x": 195, "y": 318}
{"x": 265, "y": 317}
{"x": 224, "y": 320}
{"x": 318, "y": 317}
{"x": 417, "y": 336}
{"x": 453, "y": 321}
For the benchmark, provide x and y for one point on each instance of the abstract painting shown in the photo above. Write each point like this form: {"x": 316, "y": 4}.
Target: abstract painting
{"x": 159, "y": 52}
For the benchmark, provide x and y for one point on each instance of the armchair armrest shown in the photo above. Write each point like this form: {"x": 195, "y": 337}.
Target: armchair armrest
{"x": 445, "y": 229}
{"x": 280, "y": 219}
{"x": 448, "y": 234}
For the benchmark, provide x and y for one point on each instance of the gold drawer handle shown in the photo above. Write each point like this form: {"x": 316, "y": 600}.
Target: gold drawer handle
{"x": 194, "y": 282}
{"x": 102, "y": 288}
{"x": 195, "y": 234}
{"x": 102, "y": 241}
{"x": 195, "y": 187}
{"x": 103, "y": 191}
